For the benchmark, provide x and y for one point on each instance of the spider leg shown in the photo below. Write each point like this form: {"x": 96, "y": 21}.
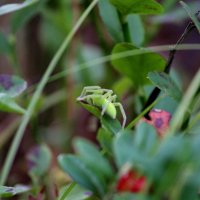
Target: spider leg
{"x": 88, "y": 89}
{"x": 89, "y": 98}
{"x": 107, "y": 91}
{"x": 110, "y": 98}
{"x": 123, "y": 113}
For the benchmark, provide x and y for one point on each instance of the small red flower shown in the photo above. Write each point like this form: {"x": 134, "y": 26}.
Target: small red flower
{"x": 160, "y": 120}
{"x": 131, "y": 181}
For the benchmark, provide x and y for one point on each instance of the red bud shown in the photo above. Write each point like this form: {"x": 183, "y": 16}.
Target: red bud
{"x": 131, "y": 182}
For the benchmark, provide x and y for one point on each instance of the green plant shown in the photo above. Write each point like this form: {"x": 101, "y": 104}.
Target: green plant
{"x": 153, "y": 155}
{"x": 103, "y": 98}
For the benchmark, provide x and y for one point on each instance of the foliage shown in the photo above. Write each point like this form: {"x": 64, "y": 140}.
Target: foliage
{"x": 156, "y": 154}
{"x": 136, "y": 67}
{"x": 10, "y": 87}
{"x": 11, "y": 191}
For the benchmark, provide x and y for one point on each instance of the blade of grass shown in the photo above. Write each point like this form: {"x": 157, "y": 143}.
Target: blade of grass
{"x": 49, "y": 101}
{"x": 20, "y": 132}
{"x": 8, "y": 132}
{"x": 182, "y": 109}
{"x": 67, "y": 192}
{"x": 104, "y": 59}
{"x": 193, "y": 17}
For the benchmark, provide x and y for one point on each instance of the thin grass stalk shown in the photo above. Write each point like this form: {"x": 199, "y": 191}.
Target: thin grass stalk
{"x": 27, "y": 116}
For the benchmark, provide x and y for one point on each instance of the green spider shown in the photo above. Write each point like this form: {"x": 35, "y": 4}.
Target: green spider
{"x": 104, "y": 99}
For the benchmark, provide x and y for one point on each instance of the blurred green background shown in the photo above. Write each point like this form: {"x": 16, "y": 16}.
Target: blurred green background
{"x": 30, "y": 37}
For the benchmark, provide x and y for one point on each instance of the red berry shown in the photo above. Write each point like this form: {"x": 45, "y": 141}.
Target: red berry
{"x": 131, "y": 182}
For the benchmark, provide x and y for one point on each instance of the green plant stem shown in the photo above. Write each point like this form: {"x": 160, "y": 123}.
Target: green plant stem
{"x": 155, "y": 93}
{"x": 97, "y": 61}
{"x": 50, "y": 101}
{"x": 8, "y": 132}
{"x": 104, "y": 59}
{"x": 193, "y": 122}
{"x": 20, "y": 132}
{"x": 133, "y": 123}
{"x": 67, "y": 192}
{"x": 185, "y": 103}
{"x": 194, "y": 17}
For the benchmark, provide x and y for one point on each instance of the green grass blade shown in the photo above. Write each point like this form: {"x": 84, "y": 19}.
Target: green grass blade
{"x": 20, "y": 132}
{"x": 192, "y": 16}
{"x": 184, "y": 105}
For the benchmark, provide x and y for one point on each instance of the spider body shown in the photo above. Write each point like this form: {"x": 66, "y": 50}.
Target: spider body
{"x": 104, "y": 99}
{"x": 101, "y": 102}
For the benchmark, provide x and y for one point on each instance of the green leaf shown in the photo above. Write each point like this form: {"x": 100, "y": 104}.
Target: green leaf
{"x": 122, "y": 86}
{"x": 8, "y": 8}
{"x": 174, "y": 162}
{"x": 105, "y": 139}
{"x": 111, "y": 19}
{"x": 94, "y": 110}
{"x": 112, "y": 125}
{"x": 90, "y": 75}
{"x": 136, "y": 29}
{"x": 121, "y": 148}
{"x": 124, "y": 148}
{"x": 194, "y": 18}
{"x": 135, "y": 149}
{"x": 12, "y": 191}
{"x": 82, "y": 173}
{"x": 125, "y": 196}
{"x": 53, "y": 26}
{"x": 93, "y": 157}
{"x": 130, "y": 196}
{"x": 173, "y": 151}
{"x": 145, "y": 137}
{"x": 168, "y": 104}
{"x": 7, "y": 104}
{"x": 190, "y": 188}
{"x": 137, "y": 6}
{"x": 21, "y": 17}
{"x": 169, "y": 4}
{"x": 11, "y": 86}
{"x": 4, "y": 44}
{"x": 39, "y": 160}
{"x": 136, "y": 67}
{"x": 166, "y": 84}
{"x": 74, "y": 192}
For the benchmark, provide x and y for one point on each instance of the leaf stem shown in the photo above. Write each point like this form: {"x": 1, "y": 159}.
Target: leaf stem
{"x": 154, "y": 94}
{"x": 146, "y": 110}
{"x": 20, "y": 132}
